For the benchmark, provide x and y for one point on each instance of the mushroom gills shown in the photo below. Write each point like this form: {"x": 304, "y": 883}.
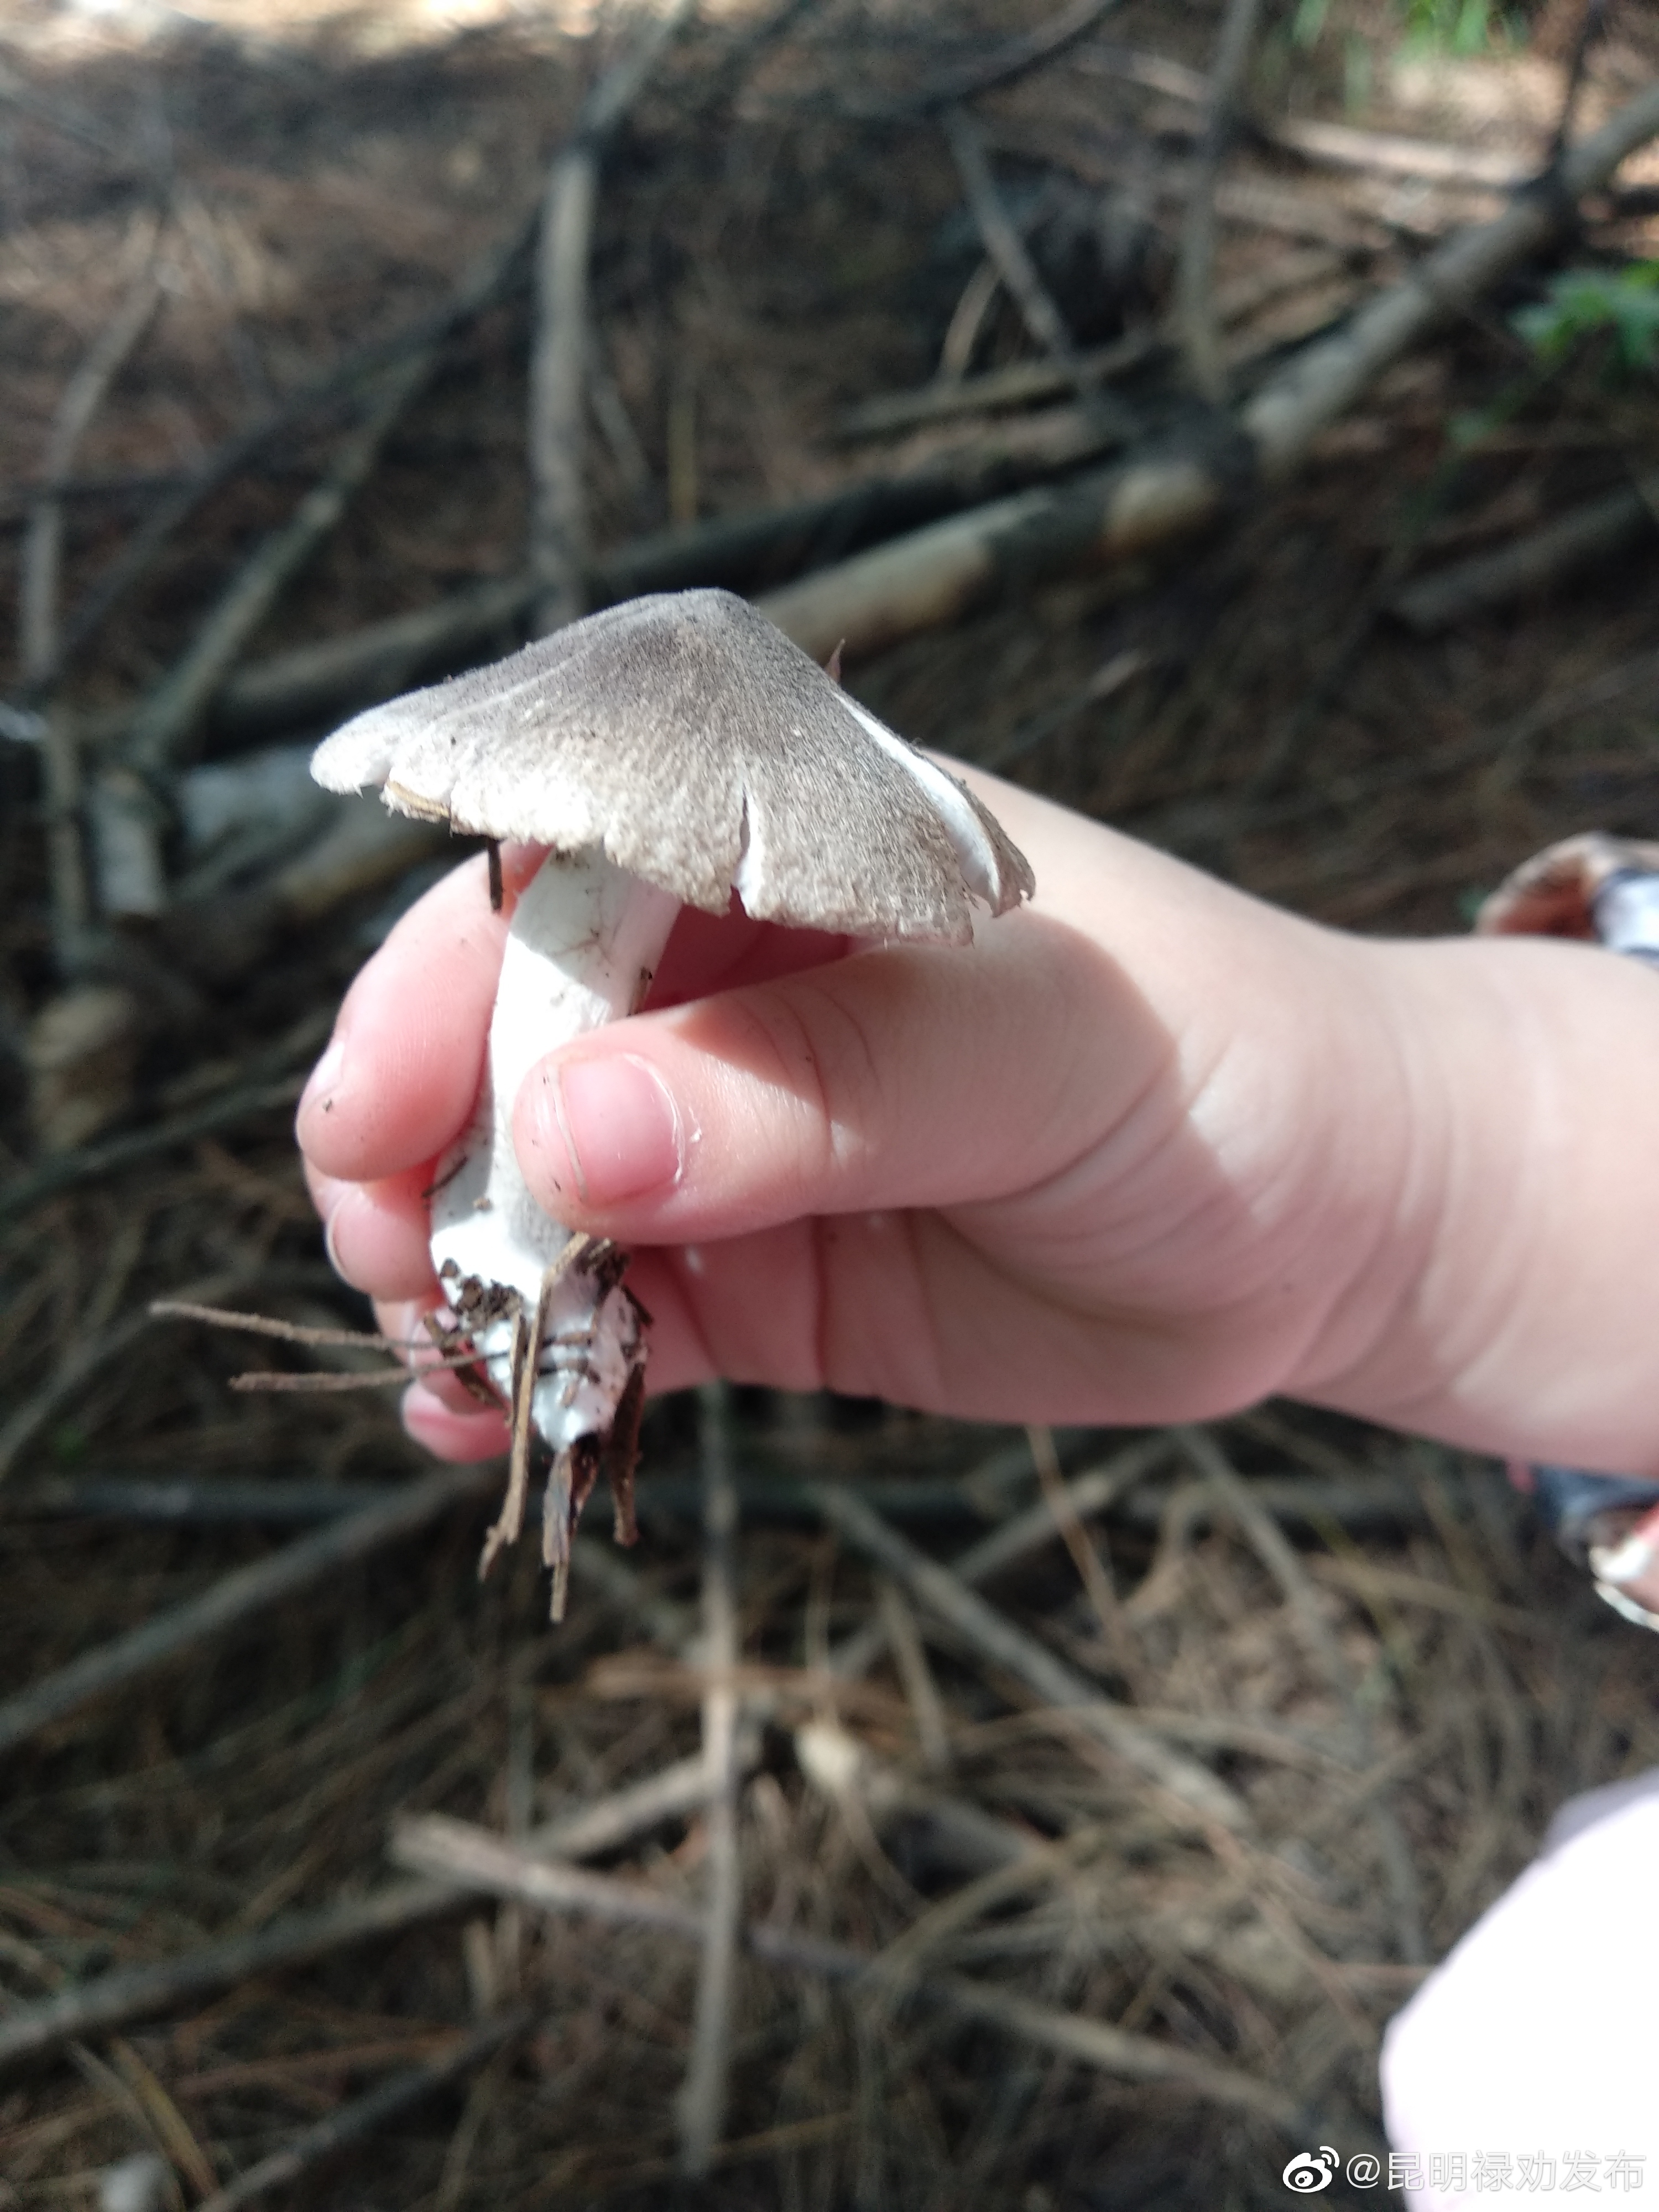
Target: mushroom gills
{"x": 556, "y": 1334}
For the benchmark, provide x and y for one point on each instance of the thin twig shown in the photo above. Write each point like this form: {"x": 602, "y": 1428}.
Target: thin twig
{"x": 1005, "y": 65}
{"x": 1007, "y": 249}
{"x": 1038, "y": 1865}
{"x": 1195, "y": 309}
{"x": 88, "y": 1354}
{"x": 285, "y": 1332}
{"x": 1583, "y": 535}
{"x": 375, "y": 355}
{"x": 456, "y": 1851}
{"x": 1092, "y": 1573}
{"x": 1029, "y": 383}
{"x": 131, "y": 1993}
{"x": 169, "y": 719}
{"x": 236, "y": 1598}
{"x": 703, "y": 2096}
{"x": 1016, "y": 1538}
{"x": 366, "y": 2115}
{"x": 84, "y": 395}
{"x": 71, "y": 902}
{"x": 1267, "y": 1540}
{"x": 673, "y": 1793}
{"x": 164, "y": 726}
{"x": 276, "y": 1381}
{"x": 139, "y": 1992}
{"x": 1591, "y": 24}
{"x": 920, "y": 1690}
{"x": 38, "y": 592}
{"x": 996, "y": 1639}
{"x": 262, "y": 1092}
{"x": 961, "y": 1832}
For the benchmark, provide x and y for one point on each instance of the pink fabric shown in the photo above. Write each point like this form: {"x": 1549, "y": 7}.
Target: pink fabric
{"x": 1532, "y": 2052}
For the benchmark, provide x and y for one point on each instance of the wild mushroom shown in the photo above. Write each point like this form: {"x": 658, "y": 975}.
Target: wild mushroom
{"x": 671, "y": 751}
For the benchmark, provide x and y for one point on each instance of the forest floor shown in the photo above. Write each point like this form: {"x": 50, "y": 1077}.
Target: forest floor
{"x": 1395, "y": 1702}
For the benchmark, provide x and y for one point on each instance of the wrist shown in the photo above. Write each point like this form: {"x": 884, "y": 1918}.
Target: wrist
{"x": 1514, "y": 1313}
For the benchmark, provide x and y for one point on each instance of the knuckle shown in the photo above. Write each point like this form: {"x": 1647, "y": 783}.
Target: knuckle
{"x": 809, "y": 1045}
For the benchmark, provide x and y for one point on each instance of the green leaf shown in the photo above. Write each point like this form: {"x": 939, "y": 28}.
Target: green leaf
{"x": 1583, "y": 303}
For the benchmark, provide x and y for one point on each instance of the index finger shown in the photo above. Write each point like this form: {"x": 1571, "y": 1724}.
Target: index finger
{"x": 399, "y": 1078}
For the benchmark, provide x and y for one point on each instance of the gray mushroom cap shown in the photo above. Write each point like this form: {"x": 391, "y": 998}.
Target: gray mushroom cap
{"x": 690, "y": 739}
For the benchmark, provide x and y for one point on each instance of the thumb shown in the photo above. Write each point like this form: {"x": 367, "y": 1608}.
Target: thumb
{"x": 910, "y": 1077}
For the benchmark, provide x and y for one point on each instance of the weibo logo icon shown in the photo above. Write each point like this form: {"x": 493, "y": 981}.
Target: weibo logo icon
{"x": 1309, "y": 2172}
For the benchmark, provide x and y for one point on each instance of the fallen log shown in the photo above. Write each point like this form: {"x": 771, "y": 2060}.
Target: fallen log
{"x": 1286, "y": 415}
{"x": 936, "y": 575}
{"x": 310, "y": 682}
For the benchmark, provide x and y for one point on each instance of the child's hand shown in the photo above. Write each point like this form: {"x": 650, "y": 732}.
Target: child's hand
{"x": 1149, "y": 1151}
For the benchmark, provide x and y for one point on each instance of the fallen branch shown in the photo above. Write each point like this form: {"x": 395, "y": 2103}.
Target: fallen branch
{"x": 1195, "y": 314}
{"x": 38, "y": 590}
{"x": 558, "y": 529}
{"x": 131, "y": 1993}
{"x": 935, "y": 575}
{"x": 1019, "y": 273}
{"x": 994, "y": 1638}
{"x": 1339, "y": 146}
{"x": 235, "y": 1598}
{"x": 458, "y": 1852}
{"x": 84, "y": 395}
{"x": 166, "y": 724}
{"x": 1028, "y": 383}
{"x": 310, "y": 682}
{"x": 1335, "y": 145}
{"x": 1573, "y": 541}
{"x": 364, "y": 2116}
{"x": 1285, "y": 418}
{"x": 374, "y": 355}
{"x": 1592, "y": 22}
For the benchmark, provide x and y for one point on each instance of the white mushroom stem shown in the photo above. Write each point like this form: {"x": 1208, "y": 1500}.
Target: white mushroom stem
{"x": 585, "y": 939}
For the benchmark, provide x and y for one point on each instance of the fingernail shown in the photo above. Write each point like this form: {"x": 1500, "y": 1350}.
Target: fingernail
{"x": 324, "y": 1081}
{"x": 329, "y": 1246}
{"x": 620, "y": 1128}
